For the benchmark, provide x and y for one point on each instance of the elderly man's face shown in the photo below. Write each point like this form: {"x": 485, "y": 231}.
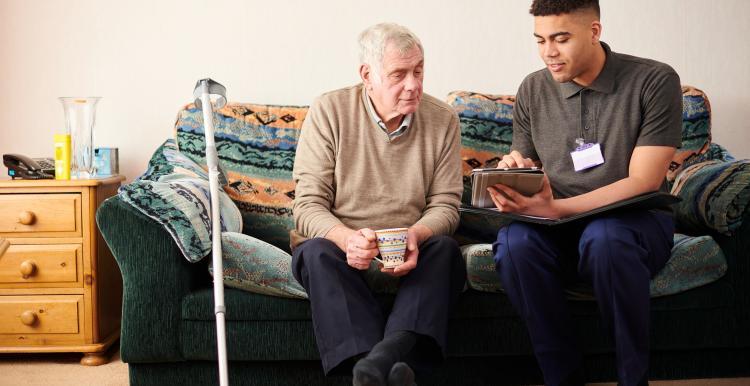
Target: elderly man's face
{"x": 397, "y": 90}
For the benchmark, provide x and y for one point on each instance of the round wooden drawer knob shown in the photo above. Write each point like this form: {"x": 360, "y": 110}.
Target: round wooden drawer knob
{"x": 27, "y": 268}
{"x": 26, "y": 217}
{"x": 28, "y": 318}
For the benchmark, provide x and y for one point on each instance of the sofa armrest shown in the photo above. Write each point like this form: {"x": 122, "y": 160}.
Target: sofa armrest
{"x": 736, "y": 248}
{"x": 156, "y": 277}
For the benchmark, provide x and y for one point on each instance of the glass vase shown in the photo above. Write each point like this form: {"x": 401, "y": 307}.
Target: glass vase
{"x": 80, "y": 117}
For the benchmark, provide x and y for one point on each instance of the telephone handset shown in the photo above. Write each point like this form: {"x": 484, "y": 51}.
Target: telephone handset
{"x": 20, "y": 166}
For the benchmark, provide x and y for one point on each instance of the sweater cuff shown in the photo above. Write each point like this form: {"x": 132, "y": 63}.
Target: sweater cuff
{"x": 436, "y": 226}
{"x": 323, "y": 226}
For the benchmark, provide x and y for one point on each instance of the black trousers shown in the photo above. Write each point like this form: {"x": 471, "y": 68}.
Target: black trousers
{"x": 346, "y": 316}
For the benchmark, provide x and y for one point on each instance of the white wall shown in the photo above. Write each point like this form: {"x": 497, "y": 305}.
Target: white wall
{"x": 144, "y": 57}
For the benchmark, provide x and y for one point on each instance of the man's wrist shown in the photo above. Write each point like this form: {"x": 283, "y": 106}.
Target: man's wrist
{"x": 339, "y": 234}
{"x": 423, "y": 232}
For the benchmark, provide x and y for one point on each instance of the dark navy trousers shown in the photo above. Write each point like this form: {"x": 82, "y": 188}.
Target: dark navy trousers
{"x": 617, "y": 254}
{"x": 347, "y": 318}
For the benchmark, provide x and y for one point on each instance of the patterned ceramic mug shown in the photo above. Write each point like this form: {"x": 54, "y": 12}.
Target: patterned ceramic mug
{"x": 392, "y": 246}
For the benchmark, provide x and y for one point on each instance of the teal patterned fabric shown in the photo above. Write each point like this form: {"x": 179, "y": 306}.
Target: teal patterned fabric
{"x": 486, "y": 131}
{"x": 714, "y": 196}
{"x": 174, "y": 191}
{"x": 695, "y": 261}
{"x": 696, "y": 130}
{"x": 254, "y": 265}
{"x": 256, "y": 146}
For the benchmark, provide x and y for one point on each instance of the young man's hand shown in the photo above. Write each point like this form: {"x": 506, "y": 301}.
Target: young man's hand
{"x": 515, "y": 160}
{"x": 541, "y": 204}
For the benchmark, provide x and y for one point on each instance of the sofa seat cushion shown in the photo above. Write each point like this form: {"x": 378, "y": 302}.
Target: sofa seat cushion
{"x": 243, "y": 305}
{"x": 695, "y": 261}
{"x": 261, "y": 327}
{"x": 256, "y": 146}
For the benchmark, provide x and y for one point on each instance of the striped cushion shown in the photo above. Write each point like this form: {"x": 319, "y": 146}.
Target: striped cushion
{"x": 256, "y": 146}
{"x": 174, "y": 191}
{"x": 695, "y": 261}
{"x": 714, "y": 196}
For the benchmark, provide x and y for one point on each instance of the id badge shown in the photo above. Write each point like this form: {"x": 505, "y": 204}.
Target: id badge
{"x": 587, "y": 156}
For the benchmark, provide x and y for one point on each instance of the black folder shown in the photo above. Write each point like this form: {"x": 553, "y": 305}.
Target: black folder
{"x": 650, "y": 200}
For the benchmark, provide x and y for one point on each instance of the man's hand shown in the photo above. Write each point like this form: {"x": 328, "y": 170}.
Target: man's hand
{"x": 541, "y": 204}
{"x": 515, "y": 160}
{"x": 361, "y": 248}
{"x": 414, "y": 237}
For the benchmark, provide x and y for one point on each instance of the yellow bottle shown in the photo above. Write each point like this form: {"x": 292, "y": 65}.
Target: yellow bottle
{"x": 62, "y": 156}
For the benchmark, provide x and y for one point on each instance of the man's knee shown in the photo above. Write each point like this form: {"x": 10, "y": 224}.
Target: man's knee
{"x": 441, "y": 250}
{"x": 316, "y": 252}
{"x": 610, "y": 240}
{"x": 441, "y": 243}
{"x": 518, "y": 241}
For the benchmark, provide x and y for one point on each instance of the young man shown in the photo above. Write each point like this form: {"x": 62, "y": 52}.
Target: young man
{"x": 380, "y": 154}
{"x": 604, "y": 126}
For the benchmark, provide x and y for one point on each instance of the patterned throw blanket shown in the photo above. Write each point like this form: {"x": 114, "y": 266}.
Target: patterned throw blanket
{"x": 174, "y": 191}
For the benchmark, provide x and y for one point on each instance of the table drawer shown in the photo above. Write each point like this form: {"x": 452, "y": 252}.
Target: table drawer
{"x": 43, "y": 314}
{"x": 28, "y": 265}
{"x": 40, "y": 213}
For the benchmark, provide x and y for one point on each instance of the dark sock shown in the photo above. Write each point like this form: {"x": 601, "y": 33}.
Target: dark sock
{"x": 401, "y": 375}
{"x": 373, "y": 369}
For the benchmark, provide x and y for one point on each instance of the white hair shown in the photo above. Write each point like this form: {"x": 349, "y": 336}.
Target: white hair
{"x": 373, "y": 40}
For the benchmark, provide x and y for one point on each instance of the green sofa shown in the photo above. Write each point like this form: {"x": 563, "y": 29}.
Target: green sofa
{"x": 168, "y": 327}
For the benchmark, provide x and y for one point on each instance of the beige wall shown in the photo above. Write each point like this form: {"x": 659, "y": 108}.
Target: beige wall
{"x": 144, "y": 57}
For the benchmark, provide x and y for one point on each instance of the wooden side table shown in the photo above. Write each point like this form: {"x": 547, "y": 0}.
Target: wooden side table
{"x": 60, "y": 287}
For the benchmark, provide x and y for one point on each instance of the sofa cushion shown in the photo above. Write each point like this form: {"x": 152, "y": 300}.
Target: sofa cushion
{"x": 253, "y": 265}
{"x": 486, "y": 130}
{"x": 714, "y": 196}
{"x": 256, "y": 146}
{"x": 174, "y": 191}
{"x": 696, "y": 129}
{"x": 695, "y": 261}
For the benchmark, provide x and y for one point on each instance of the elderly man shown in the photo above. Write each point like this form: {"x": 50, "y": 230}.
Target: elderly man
{"x": 605, "y": 126}
{"x": 380, "y": 154}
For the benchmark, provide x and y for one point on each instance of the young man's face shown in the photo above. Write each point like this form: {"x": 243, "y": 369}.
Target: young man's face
{"x": 397, "y": 89}
{"x": 567, "y": 44}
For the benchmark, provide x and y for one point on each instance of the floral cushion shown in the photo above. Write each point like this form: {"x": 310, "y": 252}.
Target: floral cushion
{"x": 174, "y": 191}
{"x": 695, "y": 261}
{"x": 256, "y": 146}
{"x": 714, "y": 196}
{"x": 253, "y": 265}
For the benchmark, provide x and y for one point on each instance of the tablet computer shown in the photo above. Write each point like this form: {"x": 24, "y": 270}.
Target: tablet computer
{"x": 526, "y": 181}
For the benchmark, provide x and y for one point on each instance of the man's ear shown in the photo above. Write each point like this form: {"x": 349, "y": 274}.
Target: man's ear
{"x": 596, "y": 31}
{"x": 366, "y": 74}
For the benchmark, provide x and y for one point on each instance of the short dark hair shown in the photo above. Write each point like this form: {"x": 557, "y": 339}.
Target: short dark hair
{"x": 559, "y": 7}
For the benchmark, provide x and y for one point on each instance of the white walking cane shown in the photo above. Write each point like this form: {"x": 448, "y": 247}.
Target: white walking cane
{"x": 204, "y": 89}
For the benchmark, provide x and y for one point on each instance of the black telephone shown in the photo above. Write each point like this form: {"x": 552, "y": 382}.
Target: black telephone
{"x": 20, "y": 166}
